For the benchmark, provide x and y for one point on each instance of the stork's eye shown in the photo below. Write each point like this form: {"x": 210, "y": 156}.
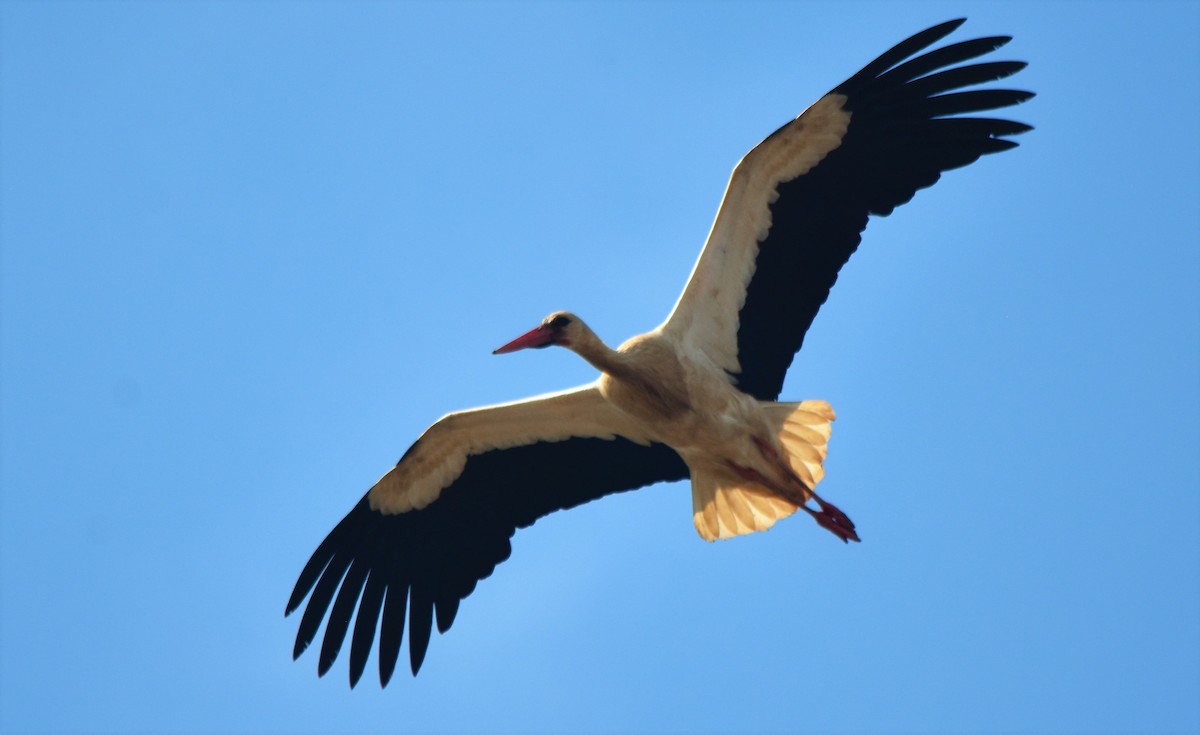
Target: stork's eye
{"x": 559, "y": 322}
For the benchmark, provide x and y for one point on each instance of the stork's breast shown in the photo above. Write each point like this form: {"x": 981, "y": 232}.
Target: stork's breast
{"x": 650, "y": 385}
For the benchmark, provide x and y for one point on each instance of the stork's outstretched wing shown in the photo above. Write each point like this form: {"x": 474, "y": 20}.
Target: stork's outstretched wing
{"x": 798, "y": 202}
{"x": 441, "y": 520}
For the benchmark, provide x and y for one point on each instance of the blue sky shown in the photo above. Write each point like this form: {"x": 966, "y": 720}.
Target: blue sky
{"x": 250, "y": 250}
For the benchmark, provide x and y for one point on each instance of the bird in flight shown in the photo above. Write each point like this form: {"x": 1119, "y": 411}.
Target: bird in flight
{"x": 696, "y": 396}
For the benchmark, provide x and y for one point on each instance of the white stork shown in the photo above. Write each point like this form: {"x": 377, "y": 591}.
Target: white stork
{"x": 695, "y": 396}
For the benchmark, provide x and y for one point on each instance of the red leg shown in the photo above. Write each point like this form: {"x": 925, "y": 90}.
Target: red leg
{"x": 829, "y": 517}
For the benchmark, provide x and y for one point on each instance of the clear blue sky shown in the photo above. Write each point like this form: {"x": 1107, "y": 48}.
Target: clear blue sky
{"x": 250, "y": 250}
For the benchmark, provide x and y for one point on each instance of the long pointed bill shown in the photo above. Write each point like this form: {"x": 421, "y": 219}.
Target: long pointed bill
{"x": 539, "y": 337}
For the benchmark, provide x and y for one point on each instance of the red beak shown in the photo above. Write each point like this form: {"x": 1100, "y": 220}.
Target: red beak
{"x": 539, "y": 337}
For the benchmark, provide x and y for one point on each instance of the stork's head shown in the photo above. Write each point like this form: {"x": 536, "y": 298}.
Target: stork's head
{"x": 560, "y": 328}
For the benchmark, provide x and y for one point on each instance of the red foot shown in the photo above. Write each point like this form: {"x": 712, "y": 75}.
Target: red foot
{"x": 830, "y": 517}
{"x": 835, "y": 521}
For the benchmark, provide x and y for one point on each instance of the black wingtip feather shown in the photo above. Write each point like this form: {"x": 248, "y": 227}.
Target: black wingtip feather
{"x": 310, "y": 574}
{"x": 365, "y": 622}
{"x": 446, "y": 609}
{"x": 420, "y": 626}
{"x": 903, "y": 50}
{"x": 391, "y": 632}
{"x": 348, "y": 530}
{"x": 940, "y": 58}
{"x": 913, "y": 93}
{"x": 343, "y": 610}
{"x": 975, "y": 100}
{"x": 318, "y": 603}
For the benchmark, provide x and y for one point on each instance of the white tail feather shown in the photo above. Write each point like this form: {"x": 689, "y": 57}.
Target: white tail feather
{"x": 724, "y": 511}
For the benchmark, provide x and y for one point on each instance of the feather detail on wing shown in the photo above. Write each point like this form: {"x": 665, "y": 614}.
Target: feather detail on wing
{"x": 797, "y": 203}
{"x": 439, "y": 455}
{"x": 407, "y": 559}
